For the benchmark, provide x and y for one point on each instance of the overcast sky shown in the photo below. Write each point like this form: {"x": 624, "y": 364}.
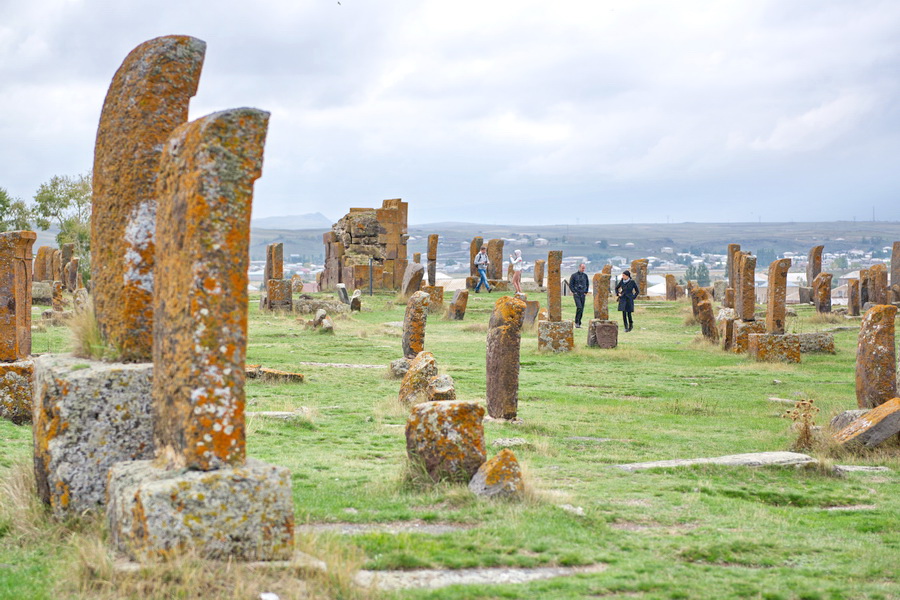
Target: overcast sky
{"x": 525, "y": 112}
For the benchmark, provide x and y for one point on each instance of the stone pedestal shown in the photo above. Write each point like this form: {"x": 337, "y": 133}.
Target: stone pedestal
{"x": 557, "y": 336}
{"x": 603, "y": 334}
{"x": 242, "y": 512}
{"x": 15, "y": 391}
{"x": 742, "y": 331}
{"x": 446, "y": 439}
{"x": 818, "y": 342}
{"x": 279, "y": 294}
{"x": 773, "y": 347}
{"x": 88, "y": 415}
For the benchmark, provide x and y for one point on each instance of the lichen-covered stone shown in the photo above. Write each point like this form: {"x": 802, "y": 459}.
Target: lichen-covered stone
{"x": 603, "y": 334}
{"x": 437, "y": 298}
{"x": 495, "y": 255}
{"x": 474, "y": 249}
{"x": 747, "y": 300}
{"x": 41, "y": 292}
{"x": 766, "y": 347}
{"x": 200, "y": 306}
{"x": 671, "y": 288}
{"x": 70, "y": 275}
{"x": 414, "y": 387}
{"x": 874, "y": 427}
{"x": 600, "y": 285}
{"x": 707, "y": 321}
{"x": 876, "y": 357}
{"x": 842, "y": 419}
{"x": 816, "y": 342}
{"x": 529, "y": 318}
{"x": 272, "y": 375}
{"x": 457, "y": 309}
{"x": 822, "y": 292}
{"x": 274, "y": 261}
{"x": 500, "y": 477}
{"x": 813, "y": 264}
{"x": 399, "y": 367}
{"x": 242, "y": 512}
{"x": 441, "y": 388}
{"x": 853, "y": 297}
{"x": 16, "y": 391}
{"x": 539, "y": 272}
{"x": 554, "y": 298}
{"x": 15, "y": 294}
{"x": 87, "y": 416}
{"x": 878, "y": 284}
{"x": 556, "y": 336}
{"x": 502, "y": 357}
{"x": 775, "y": 305}
{"x": 414, "y": 324}
{"x": 58, "y": 301}
{"x": 412, "y": 280}
{"x": 147, "y": 99}
{"x": 41, "y": 272}
{"x": 742, "y": 331}
{"x": 446, "y": 439}
{"x": 279, "y": 294}
{"x": 731, "y": 266}
{"x": 726, "y": 331}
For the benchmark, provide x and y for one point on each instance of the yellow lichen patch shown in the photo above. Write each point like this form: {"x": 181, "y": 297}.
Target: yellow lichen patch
{"x": 876, "y": 357}
{"x": 16, "y": 391}
{"x": 446, "y": 438}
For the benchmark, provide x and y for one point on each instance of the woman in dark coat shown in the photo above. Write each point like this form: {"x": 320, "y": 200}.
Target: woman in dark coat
{"x": 627, "y": 290}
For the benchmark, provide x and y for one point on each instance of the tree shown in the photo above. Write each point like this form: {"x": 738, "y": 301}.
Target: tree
{"x": 66, "y": 203}
{"x": 702, "y": 275}
{"x": 14, "y": 213}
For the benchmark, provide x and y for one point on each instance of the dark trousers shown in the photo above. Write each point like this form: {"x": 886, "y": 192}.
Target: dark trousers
{"x": 579, "y": 306}
{"x": 626, "y": 318}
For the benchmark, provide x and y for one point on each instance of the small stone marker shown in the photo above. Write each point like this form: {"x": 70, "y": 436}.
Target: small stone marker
{"x": 356, "y": 301}
{"x": 441, "y": 388}
{"x": 874, "y": 427}
{"x": 822, "y": 292}
{"x": 500, "y": 477}
{"x": 414, "y": 324}
{"x": 58, "y": 301}
{"x": 342, "y": 293}
{"x": 446, "y": 439}
{"x": 876, "y": 357}
{"x": 412, "y": 280}
{"x": 414, "y": 387}
{"x": 600, "y": 283}
{"x": 532, "y": 308}
{"x": 457, "y": 309}
{"x": 417, "y": 257}
{"x": 539, "y": 272}
{"x": 437, "y": 298}
{"x": 279, "y": 294}
{"x": 502, "y": 360}
{"x": 603, "y": 333}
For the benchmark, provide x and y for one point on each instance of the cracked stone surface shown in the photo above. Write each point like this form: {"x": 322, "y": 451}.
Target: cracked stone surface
{"x": 751, "y": 459}
{"x": 438, "y": 578}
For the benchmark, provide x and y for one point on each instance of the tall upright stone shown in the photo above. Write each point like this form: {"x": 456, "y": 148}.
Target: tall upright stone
{"x": 731, "y": 266}
{"x": 474, "y": 249}
{"x": 878, "y": 284}
{"x": 56, "y": 265}
{"x": 432, "y": 258}
{"x": 274, "y": 261}
{"x": 671, "y": 287}
{"x": 15, "y": 294}
{"x": 775, "y": 305}
{"x": 876, "y": 357}
{"x": 853, "y": 297}
{"x": 707, "y": 320}
{"x": 639, "y": 274}
{"x": 600, "y": 283}
{"x": 555, "y": 334}
{"x": 457, "y": 309}
{"x": 66, "y": 253}
{"x": 864, "y": 287}
{"x": 495, "y": 255}
{"x": 813, "y": 264}
{"x": 502, "y": 364}
{"x": 40, "y": 272}
{"x": 895, "y": 271}
{"x": 414, "y": 324}
{"x": 539, "y": 272}
{"x": 147, "y": 99}
{"x": 747, "y": 308}
{"x": 554, "y": 297}
{"x": 822, "y": 292}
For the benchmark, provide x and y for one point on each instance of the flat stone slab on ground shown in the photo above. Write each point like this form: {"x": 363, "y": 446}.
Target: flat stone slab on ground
{"x": 752, "y": 459}
{"x": 391, "y": 528}
{"x": 860, "y": 469}
{"x": 438, "y": 578}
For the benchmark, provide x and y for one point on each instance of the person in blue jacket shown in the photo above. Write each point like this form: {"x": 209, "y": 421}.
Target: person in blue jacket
{"x": 627, "y": 290}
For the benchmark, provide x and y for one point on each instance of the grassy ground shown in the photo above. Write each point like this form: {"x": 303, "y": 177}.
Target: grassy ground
{"x": 704, "y": 532}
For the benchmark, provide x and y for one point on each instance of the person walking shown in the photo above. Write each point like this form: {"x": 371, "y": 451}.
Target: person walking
{"x": 481, "y": 263}
{"x": 627, "y": 290}
{"x": 516, "y": 261}
{"x": 579, "y": 285}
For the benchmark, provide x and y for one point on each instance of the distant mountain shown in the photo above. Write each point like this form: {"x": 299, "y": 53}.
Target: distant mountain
{"x": 307, "y": 221}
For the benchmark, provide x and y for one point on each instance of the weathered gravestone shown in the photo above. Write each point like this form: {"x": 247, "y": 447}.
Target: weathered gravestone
{"x": 437, "y": 298}
{"x": 555, "y": 334}
{"x": 874, "y": 427}
{"x": 502, "y": 362}
{"x": 603, "y": 333}
{"x": 600, "y": 283}
{"x": 539, "y": 272}
{"x": 876, "y": 357}
{"x": 775, "y": 344}
{"x": 853, "y": 297}
{"x": 16, "y": 370}
{"x": 671, "y": 287}
{"x": 445, "y": 440}
{"x": 532, "y": 308}
{"x": 813, "y": 264}
{"x": 432, "y": 259}
{"x": 202, "y": 493}
{"x": 342, "y": 293}
{"x": 40, "y": 264}
{"x": 412, "y": 280}
{"x": 414, "y": 324}
{"x": 878, "y": 284}
{"x": 895, "y": 272}
{"x": 822, "y": 292}
{"x": 457, "y": 309}
{"x": 495, "y": 255}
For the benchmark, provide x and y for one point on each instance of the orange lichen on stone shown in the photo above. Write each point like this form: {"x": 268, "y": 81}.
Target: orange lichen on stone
{"x": 41, "y": 272}
{"x": 539, "y": 272}
{"x": 813, "y": 264}
{"x": 436, "y": 292}
{"x": 502, "y": 364}
{"x": 707, "y": 321}
{"x": 414, "y": 387}
{"x": 853, "y": 305}
{"x": 554, "y": 299}
{"x": 147, "y": 99}
{"x": 556, "y": 336}
{"x": 822, "y": 292}
{"x": 457, "y": 309}
{"x": 279, "y": 294}
{"x": 446, "y": 439}
{"x": 600, "y": 285}
{"x": 58, "y": 302}
{"x": 495, "y": 256}
{"x": 500, "y": 477}
{"x": 15, "y": 294}
{"x": 874, "y": 427}
{"x": 414, "y": 324}
{"x": 671, "y": 287}
{"x": 731, "y": 268}
{"x": 878, "y": 284}
{"x": 474, "y": 249}
{"x": 272, "y": 375}
{"x": 746, "y": 308}
{"x": 775, "y": 306}
{"x": 766, "y": 347}
{"x": 16, "y": 391}
{"x": 742, "y": 332}
{"x": 876, "y": 357}
{"x": 200, "y": 306}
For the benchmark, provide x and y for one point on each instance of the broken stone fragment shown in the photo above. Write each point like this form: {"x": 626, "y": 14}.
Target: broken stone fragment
{"x": 16, "y": 391}
{"x": 603, "y": 334}
{"x": 841, "y": 420}
{"x": 457, "y": 309}
{"x": 414, "y": 387}
{"x": 441, "y": 388}
{"x": 556, "y": 336}
{"x": 874, "y": 427}
{"x": 399, "y": 367}
{"x": 500, "y": 477}
{"x": 446, "y": 439}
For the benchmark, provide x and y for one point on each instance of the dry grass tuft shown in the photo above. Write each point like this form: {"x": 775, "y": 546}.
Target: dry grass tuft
{"x": 825, "y": 318}
{"x": 87, "y": 342}
{"x": 475, "y": 327}
{"x": 24, "y": 519}
{"x": 701, "y": 342}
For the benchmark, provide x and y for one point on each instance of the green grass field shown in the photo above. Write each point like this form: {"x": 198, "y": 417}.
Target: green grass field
{"x": 702, "y": 532}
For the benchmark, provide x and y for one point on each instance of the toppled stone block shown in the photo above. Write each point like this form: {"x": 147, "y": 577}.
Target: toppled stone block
{"x": 750, "y": 459}
{"x": 874, "y": 427}
{"x": 441, "y": 388}
{"x": 742, "y": 331}
{"x": 399, "y": 367}
{"x": 500, "y": 477}
{"x": 16, "y": 391}
{"x": 818, "y": 342}
{"x": 843, "y": 419}
{"x": 272, "y": 375}
{"x": 414, "y": 388}
{"x": 556, "y": 336}
{"x": 88, "y": 416}
{"x": 603, "y": 334}
{"x": 446, "y": 439}
{"x": 767, "y": 347}
{"x": 240, "y": 512}
{"x": 307, "y": 305}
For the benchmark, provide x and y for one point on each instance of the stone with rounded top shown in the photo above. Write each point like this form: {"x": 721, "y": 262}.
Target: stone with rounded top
{"x": 499, "y": 477}
{"x": 502, "y": 357}
{"x": 876, "y": 357}
{"x": 414, "y": 322}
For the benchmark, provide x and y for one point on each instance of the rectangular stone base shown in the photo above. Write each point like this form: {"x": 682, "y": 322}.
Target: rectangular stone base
{"x": 557, "y": 336}
{"x": 816, "y": 342}
{"x": 242, "y": 512}
{"x": 772, "y": 348}
{"x": 278, "y": 294}
{"x": 15, "y": 391}
{"x": 88, "y": 415}
{"x": 742, "y": 331}
{"x": 603, "y": 334}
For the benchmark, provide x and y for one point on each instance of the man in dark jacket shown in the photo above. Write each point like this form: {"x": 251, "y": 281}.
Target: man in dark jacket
{"x": 579, "y": 285}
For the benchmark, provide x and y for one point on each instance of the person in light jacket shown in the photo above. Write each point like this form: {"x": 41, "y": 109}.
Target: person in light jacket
{"x": 627, "y": 290}
{"x": 516, "y": 261}
{"x": 481, "y": 263}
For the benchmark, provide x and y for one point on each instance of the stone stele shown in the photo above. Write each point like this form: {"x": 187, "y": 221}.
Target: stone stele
{"x": 414, "y": 324}
{"x": 775, "y": 306}
{"x": 147, "y": 99}
{"x": 556, "y": 336}
{"x": 539, "y": 272}
{"x": 822, "y": 292}
{"x": 474, "y": 249}
{"x": 813, "y": 264}
{"x": 16, "y": 383}
{"x": 554, "y": 297}
{"x": 495, "y": 256}
{"x": 600, "y": 284}
{"x": 603, "y": 334}
{"x": 502, "y": 358}
{"x": 853, "y": 297}
{"x": 412, "y": 280}
{"x": 15, "y": 294}
{"x": 446, "y": 439}
{"x": 457, "y": 309}
{"x": 876, "y": 357}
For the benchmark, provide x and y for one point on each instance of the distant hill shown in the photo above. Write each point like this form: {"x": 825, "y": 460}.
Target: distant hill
{"x": 307, "y": 221}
